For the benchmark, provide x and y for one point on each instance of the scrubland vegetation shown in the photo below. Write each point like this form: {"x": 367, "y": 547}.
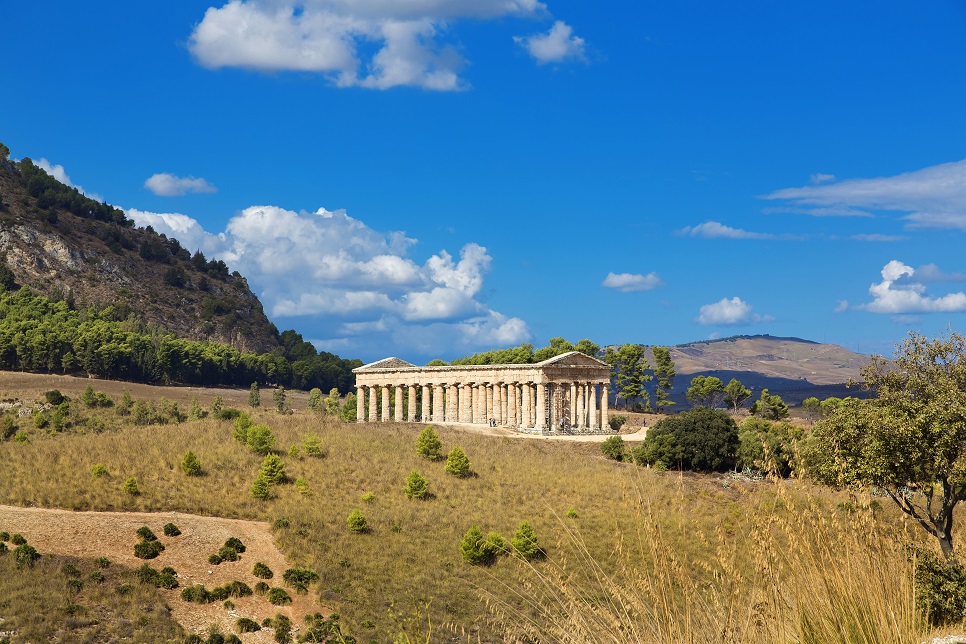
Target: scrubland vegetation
{"x": 574, "y": 546}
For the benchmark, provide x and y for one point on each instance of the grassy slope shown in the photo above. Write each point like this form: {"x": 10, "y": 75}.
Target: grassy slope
{"x": 404, "y": 577}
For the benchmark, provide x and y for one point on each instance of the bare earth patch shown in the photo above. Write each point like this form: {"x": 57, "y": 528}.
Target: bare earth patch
{"x": 112, "y": 535}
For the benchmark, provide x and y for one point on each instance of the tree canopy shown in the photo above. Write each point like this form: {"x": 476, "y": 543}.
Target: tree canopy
{"x": 706, "y": 391}
{"x": 909, "y": 441}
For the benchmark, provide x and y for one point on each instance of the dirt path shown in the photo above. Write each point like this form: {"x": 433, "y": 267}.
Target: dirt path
{"x": 486, "y": 430}
{"x": 113, "y": 535}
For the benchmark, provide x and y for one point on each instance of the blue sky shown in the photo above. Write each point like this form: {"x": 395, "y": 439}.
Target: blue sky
{"x": 429, "y": 178}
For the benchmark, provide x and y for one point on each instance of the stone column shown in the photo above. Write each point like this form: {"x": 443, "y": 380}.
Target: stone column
{"x": 384, "y": 417}
{"x": 498, "y": 402}
{"x": 603, "y": 406}
{"x": 475, "y": 400}
{"x": 426, "y": 415}
{"x": 581, "y": 407}
{"x": 452, "y": 403}
{"x": 411, "y": 404}
{"x": 438, "y": 409}
{"x": 373, "y": 409}
{"x": 488, "y": 403}
{"x": 525, "y": 406}
{"x": 460, "y": 404}
{"x": 360, "y": 404}
{"x": 519, "y": 403}
{"x": 511, "y": 404}
{"x": 398, "y": 411}
{"x": 541, "y": 406}
{"x": 592, "y": 421}
{"x": 573, "y": 404}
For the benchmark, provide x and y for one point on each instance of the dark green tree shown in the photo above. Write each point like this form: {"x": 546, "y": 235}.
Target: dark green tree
{"x": 707, "y": 438}
{"x": 631, "y": 373}
{"x": 706, "y": 391}
{"x": 254, "y": 397}
{"x": 770, "y": 407}
{"x": 664, "y": 372}
{"x": 736, "y": 394}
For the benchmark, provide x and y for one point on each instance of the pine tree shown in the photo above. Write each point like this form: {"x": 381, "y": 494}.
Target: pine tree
{"x": 254, "y": 397}
{"x": 524, "y": 542}
{"x": 457, "y": 463}
{"x": 416, "y": 486}
{"x": 428, "y": 444}
{"x": 190, "y": 464}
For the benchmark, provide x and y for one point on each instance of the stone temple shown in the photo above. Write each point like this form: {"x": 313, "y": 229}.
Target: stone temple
{"x": 567, "y": 393}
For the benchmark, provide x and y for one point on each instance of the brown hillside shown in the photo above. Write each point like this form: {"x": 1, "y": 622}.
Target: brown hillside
{"x": 66, "y": 246}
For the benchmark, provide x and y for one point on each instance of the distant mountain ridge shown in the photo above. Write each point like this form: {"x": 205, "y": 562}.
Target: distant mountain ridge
{"x": 790, "y": 367}
{"x": 68, "y": 247}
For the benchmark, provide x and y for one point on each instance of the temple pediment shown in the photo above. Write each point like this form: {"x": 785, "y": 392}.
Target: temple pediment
{"x": 573, "y": 359}
{"x": 385, "y": 363}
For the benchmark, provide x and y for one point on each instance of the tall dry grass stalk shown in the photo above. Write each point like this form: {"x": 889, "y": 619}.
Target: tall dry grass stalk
{"x": 801, "y": 574}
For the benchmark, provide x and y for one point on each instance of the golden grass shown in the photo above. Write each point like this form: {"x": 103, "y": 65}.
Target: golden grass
{"x": 38, "y": 606}
{"x": 649, "y": 557}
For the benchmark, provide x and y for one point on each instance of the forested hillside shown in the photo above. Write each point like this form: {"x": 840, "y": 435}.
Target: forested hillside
{"x": 37, "y": 334}
{"x": 69, "y": 247}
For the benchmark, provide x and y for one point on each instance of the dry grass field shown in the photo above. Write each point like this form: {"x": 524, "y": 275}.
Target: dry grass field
{"x": 632, "y": 554}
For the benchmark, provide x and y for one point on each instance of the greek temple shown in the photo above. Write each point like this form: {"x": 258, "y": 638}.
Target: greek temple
{"x": 567, "y": 393}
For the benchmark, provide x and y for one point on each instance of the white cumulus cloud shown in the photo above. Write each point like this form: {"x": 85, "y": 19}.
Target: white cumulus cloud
{"x": 164, "y": 184}
{"x": 933, "y": 197}
{"x": 632, "y": 282}
{"x": 730, "y": 312}
{"x": 900, "y": 292}
{"x": 369, "y": 43}
{"x": 557, "y": 45}
{"x": 357, "y": 288}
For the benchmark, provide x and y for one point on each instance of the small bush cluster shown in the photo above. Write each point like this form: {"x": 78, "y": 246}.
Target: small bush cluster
{"x": 148, "y": 547}
{"x": 198, "y": 594}
{"x": 616, "y": 422}
{"x": 171, "y": 530}
{"x": 94, "y": 399}
{"x": 165, "y": 578}
{"x": 278, "y": 597}
{"x": 25, "y": 555}
{"x": 299, "y": 579}
{"x": 228, "y": 552}
{"x": 262, "y": 571}
{"x": 477, "y": 549}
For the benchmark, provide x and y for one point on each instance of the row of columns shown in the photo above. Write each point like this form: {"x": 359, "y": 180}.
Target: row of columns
{"x": 556, "y": 406}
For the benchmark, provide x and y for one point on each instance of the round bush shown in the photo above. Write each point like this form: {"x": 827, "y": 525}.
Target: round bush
{"x": 428, "y": 444}
{"x": 131, "y": 486}
{"x": 707, "y": 438}
{"x": 262, "y": 571}
{"x": 416, "y": 486}
{"x": 228, "y": 554}
{"x": 4, "y": 536}
{"x": 357, "y": 522}
{"x": 145, "y": 533}
{"x": 97, "y": 577}
{"x": 219, "y": 593}
{"x": 190, "y": 464}
{"x": 245, "y": 625}
{"x": 25, "y": 555}
{"x": 171, "y": 530}
{"x": 302, "y": 576}
{"x": 613, "y": 447}
{"x": 18, "y": 539}
{"x": 214, "y": 559}
{"x": 102, "y": 562}
{"x": 168, "y": 581}
{"x": 196, "y": 594}
{"x": 148, "y": 549}
{"x": 147, "y": 575}
{"x": 235, "y": 544}
{"x": 278, "y": 597}
{"x": 98, "y": 470}
{"x": 475, "y": 548}
{"x": 261, "y": 588}
{"x": 457, "y": 464}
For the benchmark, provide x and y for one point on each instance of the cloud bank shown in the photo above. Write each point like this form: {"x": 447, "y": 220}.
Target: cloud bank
{"x": 377, "y": 44}
{"x": 358, "y": 289}
{"x": 632, "y": 282}
{"x": 716, "y": 230}
{"x": 934, "y": 197}
{"x": 164, "y": 184}
{"x": 557, "y": 45}
{"x": 901, "y": 292}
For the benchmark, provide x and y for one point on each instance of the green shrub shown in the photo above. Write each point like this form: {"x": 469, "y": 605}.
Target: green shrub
{"x": 190, "y": 464}
{"x": 940, "y": 589}
{"x": 357, "y": 522}
{"x": 496, "y": 543}
{"x": 102, "y": 562}
{"x": 214, "y": 559}
{"x": 41, "y": 420}
{"x": 70, "y": 570}
{"x": 131, "y": 487}
{"x": 97, "y": 577}
{"x": 54, "y": 397}
{"x": 193, "y": 638}
{"x": 475, "y": 549}
{"x": 278, "y": 597}
{"x": 428, "y": 444}
{"x": 280, "y": 522}
{"x": 145, "y": 533}
{"x": 236, "y": 544}
{"x": 148, "y": 549}
{"x": 25, "y": 555}
{"x": 3, "y": 548}
{"x": 167, "y": 580}
{"x": 21, "y": 437}
{"x": 243, "y": 422}
{"x": 260, "y": 439}
{"x": 18, "y": 539}
{"x": 767, "y": 446}
{"x": 416, "y": 486}
{"x": 616, "y": 422}
{"x": 218, "y": 594}
{"x": 613, "y": 447}
{"x": 302, "y": 486}
{"x": 98, "y": 470}
{"x": 195, "y": 412}
{"x": 303, "y": 576}
{"x": 293, "y": 452}
{"x": 245, "y": 625}
{"x": 238, "y": 589}
{"x": 457, "y": 464}
{"x": 262, "y": 571}
{"x": 228, "y": 413}
{"x": 312, "y": 446}
{"x": 261, "y": 488}
{"x": 171, "y": 530}
{"x": 196, "y": 594}
{"x": 272, "y": 469}
{"x": 4, "y": 536}
{"x": 525, "y": 543}
{"x": 261, "y": 588}
{"x": 228, "y": 554}
{"x": 707, "y": 440}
